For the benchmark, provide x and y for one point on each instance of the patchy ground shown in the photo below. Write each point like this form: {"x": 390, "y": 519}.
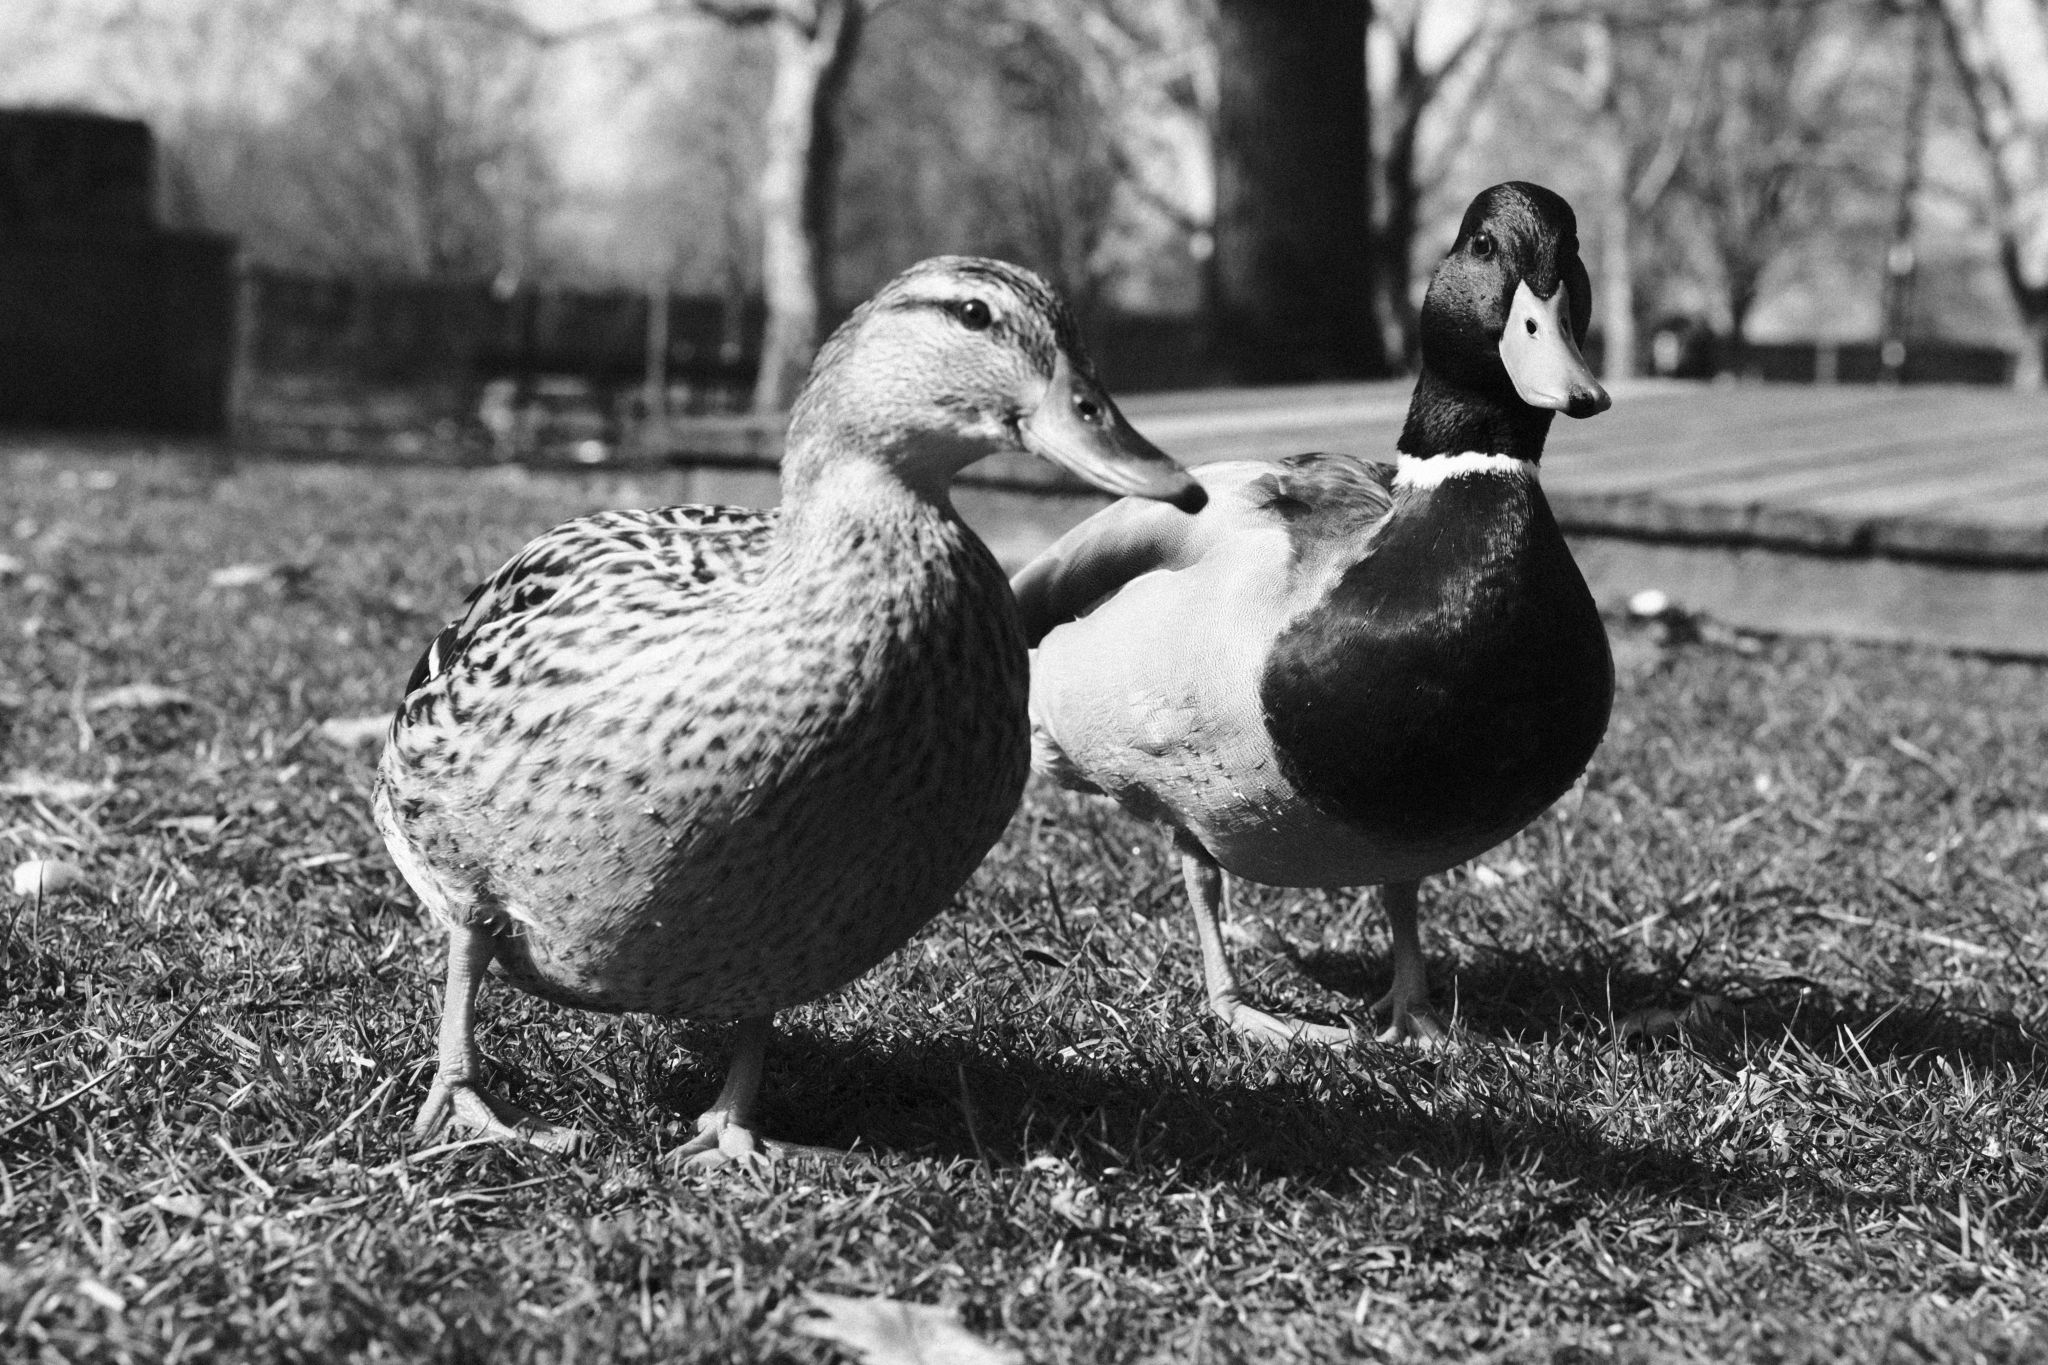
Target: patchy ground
{"x": 1817, "y": 871}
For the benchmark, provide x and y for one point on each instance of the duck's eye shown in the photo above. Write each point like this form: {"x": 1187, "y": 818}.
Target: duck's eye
{"x": 974, "y": 315}
{"x": 1482, "y": 245}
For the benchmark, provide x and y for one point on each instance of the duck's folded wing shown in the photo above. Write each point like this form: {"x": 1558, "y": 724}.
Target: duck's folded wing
{"x": 1324, "y": 503}
{"x": 688, "y": 548}
{"x": 1096, "y": 559}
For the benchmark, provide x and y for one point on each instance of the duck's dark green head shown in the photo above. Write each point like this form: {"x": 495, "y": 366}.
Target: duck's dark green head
{"x": 1500, "y": 327}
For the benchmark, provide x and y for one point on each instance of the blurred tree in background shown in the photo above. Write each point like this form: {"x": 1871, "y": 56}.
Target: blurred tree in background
{"x": 1292, "y": 293}
{"x": 2000, "y": 55}
{"x": 1782, "y": 152}
{"x": 1286, "y": 175}
{"x": 1429, "y": 66}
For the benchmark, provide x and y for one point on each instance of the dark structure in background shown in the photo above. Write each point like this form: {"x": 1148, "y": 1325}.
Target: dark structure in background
{"x": 106, "y": 319}
{"x": 1291, "y": 281}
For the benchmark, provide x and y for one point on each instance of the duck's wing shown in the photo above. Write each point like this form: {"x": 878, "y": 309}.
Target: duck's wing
{"x": 686, "y": 551}
{"x": 1320, "y": 500}
{"x": 527, "y": 635}
{"x": 1093, "y": 561}
{"x": 1324, "y": 500}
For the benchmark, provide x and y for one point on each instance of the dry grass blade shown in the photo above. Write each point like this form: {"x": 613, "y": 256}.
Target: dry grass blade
{"x": 349, "y": 731}
{"x": 63, "y": 791}
{"x": 892, "y": 1332}
{"x": 141, "y": 696}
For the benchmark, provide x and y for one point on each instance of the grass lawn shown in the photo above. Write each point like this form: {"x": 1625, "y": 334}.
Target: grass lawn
{"x": 209, "y": 1060}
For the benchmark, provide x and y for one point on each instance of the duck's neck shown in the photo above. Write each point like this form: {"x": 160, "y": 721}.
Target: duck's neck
{"x": 846, "y": 511}
{"x": 1448, "y": 419}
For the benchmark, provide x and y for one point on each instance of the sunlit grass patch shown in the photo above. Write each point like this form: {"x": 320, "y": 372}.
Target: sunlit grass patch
{"x": 1832, "y": 861}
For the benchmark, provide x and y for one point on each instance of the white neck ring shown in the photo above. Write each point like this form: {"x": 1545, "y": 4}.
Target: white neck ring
{"x": 1429, "y": 471}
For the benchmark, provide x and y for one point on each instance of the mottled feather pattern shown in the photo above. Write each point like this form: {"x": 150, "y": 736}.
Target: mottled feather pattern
{"x": 694, "y": 543}
{"x": 683, "y": 776}
{"x": 1326, "y": 499}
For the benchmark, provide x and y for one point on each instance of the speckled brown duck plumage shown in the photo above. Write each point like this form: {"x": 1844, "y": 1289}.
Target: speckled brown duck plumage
{"x": 714, "y": 762}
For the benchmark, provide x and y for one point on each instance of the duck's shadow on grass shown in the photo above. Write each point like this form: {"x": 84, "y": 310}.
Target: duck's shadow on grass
{"x": 1526, "y": 998}
{"x": 1308, "y": 1116}
{"x": 1313, "y": 1119}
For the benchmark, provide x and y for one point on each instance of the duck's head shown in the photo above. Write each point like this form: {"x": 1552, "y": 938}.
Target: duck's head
{"x": 958, "y": 358}
{"x": 1499, "y": 330}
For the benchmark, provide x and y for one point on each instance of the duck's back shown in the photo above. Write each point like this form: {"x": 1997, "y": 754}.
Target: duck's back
{"x": 685, "y": 783}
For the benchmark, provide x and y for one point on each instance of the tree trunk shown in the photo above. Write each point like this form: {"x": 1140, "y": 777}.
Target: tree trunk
{"x": 1401, "y": 196}
{"x": 2030, "y": 366}
{"x": 2015, "y": 162}
{"x": 1293, "y": 291}
{"x": 1397, "y": 240}
{"x": 1617, "y": 291}
{"x": 1741, "y": 298}
{"x": 799, "y": 185}
{"x": 1901, "y": 263}
{"x": 1611, "y": 214}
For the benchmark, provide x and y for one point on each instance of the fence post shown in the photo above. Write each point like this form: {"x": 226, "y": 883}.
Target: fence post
{"x": 654, "y": 415}
{"x": 242, "y": 359}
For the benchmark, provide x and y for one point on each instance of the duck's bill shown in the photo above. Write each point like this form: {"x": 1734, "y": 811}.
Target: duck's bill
{"x": 1078, "y": 428}
{"x": 1542, "y": 358}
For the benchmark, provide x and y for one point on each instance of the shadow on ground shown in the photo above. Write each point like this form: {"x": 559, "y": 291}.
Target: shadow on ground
{"x": 1313, "y": 1118}
{"x": 1526, "y": 998}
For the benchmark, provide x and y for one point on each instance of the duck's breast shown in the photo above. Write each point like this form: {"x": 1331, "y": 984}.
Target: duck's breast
{"x": 1453, "y": 684}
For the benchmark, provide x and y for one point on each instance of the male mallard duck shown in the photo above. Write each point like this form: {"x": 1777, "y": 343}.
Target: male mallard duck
{"x": 714, "y": 762}
{"x": 1341, "y": 673}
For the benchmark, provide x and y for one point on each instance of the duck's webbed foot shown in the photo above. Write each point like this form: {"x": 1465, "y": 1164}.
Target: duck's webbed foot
{"x": 1412, "y": 1021}
{"x": 1281, "y": 1030}
{"x": 1410, "y": 1016}
{"x": 725, "y": 1131}
{"x": 464, "y": 1106}
{"x": 1206, "y": 896}
{"x": 456, "y": 1100}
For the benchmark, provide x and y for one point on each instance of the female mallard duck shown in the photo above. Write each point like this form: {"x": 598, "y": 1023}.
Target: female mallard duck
{"x": 1339, "y": 673}
{"x": 713, "y": 762}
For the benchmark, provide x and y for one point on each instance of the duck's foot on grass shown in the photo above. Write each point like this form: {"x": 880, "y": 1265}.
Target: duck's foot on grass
{"x": 1412, "y": 1021}
{"x": 1280, "y": 1030}
{"x": 460, "y": 1106}
{"x": 1410, "y": 1018}
{"x": 456, "y": 1100}
{"x": 725, "y": 1131}
{"x": 1208, "y": 897}
{"x": 721, "y": 1141}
